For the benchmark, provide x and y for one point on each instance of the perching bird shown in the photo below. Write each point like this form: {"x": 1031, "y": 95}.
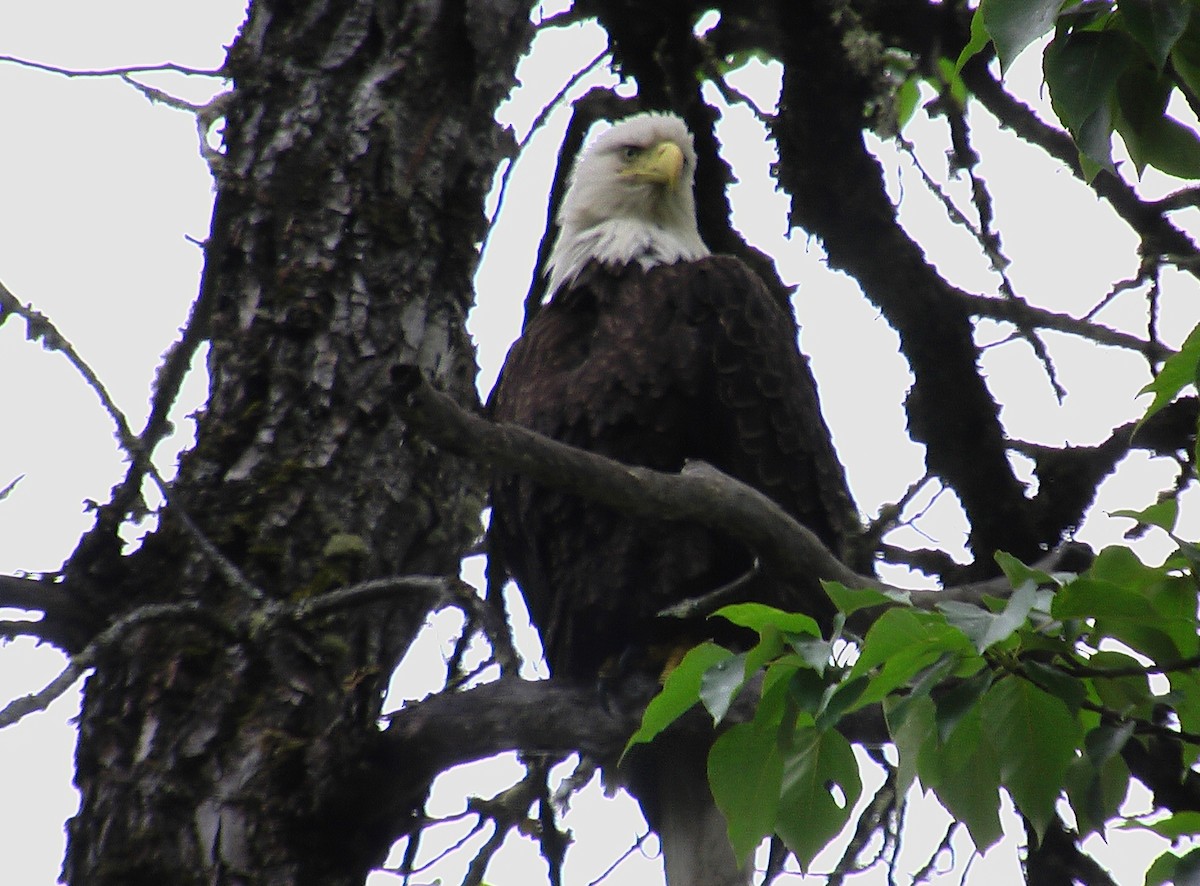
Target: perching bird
{"x": 654, "y": 352}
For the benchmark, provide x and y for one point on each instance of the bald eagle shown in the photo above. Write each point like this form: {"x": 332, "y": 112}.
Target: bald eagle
{"x": 653, "y": 352}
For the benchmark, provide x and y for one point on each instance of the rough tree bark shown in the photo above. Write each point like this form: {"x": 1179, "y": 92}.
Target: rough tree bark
{"x": 359, "y": 145}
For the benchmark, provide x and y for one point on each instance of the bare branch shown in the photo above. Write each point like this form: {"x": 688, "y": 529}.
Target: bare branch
{"x": 158, "y": 96}
{"x": 105, "y": 640}
{"x": 538, "y": 123}
{"x": 40, "y": 328}
{"x": 700, "y": 494}
{"x": 1158, "y": 235}
{"x": 122, "y": 72}
{"x": 10, "y": 630}
{"x": 7, "y": 490}
{"x": 1022, "y": 313}
{"x": 433, "y": 587}
{"x": 637, "y": 845}
{"x": 1182, "y": 199}
{"x": 37, "y": 594}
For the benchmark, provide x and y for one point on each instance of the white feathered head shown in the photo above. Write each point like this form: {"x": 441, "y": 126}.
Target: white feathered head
{"x": 629, "y": 199}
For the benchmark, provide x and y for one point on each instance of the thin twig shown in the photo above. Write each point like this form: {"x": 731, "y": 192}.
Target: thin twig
{"x": 945, "y": 845}
{"x": 428, "y": 587}
{"x": 158, "y": 96}
{"x": 1012, "y": 312}
{"x": 40, "y": 328}
{"x": 889, "y": 514}
{"x": 636, "y": 847}
{"x": 990, "y": 244}
{"x": 710, "y": 602}
{"x": 538, "y": 123}
{"x": 113, "y": 72}
{"x": 1144, "y": 272}
{"x": 110, "y": 636}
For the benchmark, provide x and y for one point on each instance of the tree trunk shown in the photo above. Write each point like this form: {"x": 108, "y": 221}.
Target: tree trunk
{"x": 231, "y": 745}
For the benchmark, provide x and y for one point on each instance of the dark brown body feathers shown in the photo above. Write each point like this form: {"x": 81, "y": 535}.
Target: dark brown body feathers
{"x": 690, "y": 361}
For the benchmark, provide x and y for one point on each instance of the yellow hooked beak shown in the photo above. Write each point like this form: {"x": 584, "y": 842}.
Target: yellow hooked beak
{"x": 661, "y": 164}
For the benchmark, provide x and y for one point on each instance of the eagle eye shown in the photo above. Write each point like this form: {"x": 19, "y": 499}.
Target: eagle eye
{"x": 630, "y": 151}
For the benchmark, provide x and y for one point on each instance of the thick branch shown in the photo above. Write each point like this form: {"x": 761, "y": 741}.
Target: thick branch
{"x": 548, "y": 716}
{"x": 699, "y": 494}
{"x": 63, "y": 617}
{"x": 838, "y": 194}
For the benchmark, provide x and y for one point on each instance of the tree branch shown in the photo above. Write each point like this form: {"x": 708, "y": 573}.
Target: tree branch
{"x": 1147, "y": 219}
{"x": 1022, "y": 313}
{"x": 113, "y": 72}
{"x": 700, "y": 494}
{"x": 106, "y": 639}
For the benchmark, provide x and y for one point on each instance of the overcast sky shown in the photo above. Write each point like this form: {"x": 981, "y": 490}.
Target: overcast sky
{"x": 103, "y": 195}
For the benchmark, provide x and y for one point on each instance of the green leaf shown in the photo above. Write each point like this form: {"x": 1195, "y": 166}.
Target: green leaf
{"x": 1081, "y": 70}
{"x": 719, "y": 685}
{"x": 1171, "y": 868}
{"x": 679, "y": 692}
{"x": 1035, "y": 737}
{"x": 1141, "y": 605}
{"x": 1177, "y": 372}
{"x": 1129, "y": 695}
{"x": 911, "y": 728}
{"x": 908, "y": 96}
{"x": 952, "y": 80}
{"x": 775, "y": 701}
{"x": 965, "y": 775}
{"x": 930, "y": 678}
{"x": 1142, "y": 95}
{"x": 840, "y": 700}
{"x": 1156, "y": 24}
{"x": 1185, "y": 56}
{"x": 1097, "y": 782}
{"x": 1181, "y": 824}
{"x": 979, "y": 39}
{"x": 815, "y": 653}
{"x": 1062, "y": 686}
{"x": 1014, "y": 24}
{"x": 986, "y": 629}
{"x": 1185, "y": 699}
{"x": 1091, "y": 598}
{"x": 807, "y": 689}
{"x": 759, "y": 617}
{"x": 1162, "y": 514}
{"x": 745, "y": 771}
{"x": 1119, "y": 565}
{"x": 901, "y": 643}
{"x": 1106, "y": 741}
{"x": 1162, "y": 871}
{"x": 1018, "y": 573}
{"x": 953, "y": 705}
{"x": 769, "y": 647}
{"x": 1167, "y": 145}
{"x": 850, "y": 600}
{"x": 810, "y": 812}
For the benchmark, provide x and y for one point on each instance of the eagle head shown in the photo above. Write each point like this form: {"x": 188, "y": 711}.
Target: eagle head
{"x": 629, "y": 200}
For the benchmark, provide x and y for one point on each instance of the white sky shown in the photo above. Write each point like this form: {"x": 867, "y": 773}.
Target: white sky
{"x": 100, "y": 192}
